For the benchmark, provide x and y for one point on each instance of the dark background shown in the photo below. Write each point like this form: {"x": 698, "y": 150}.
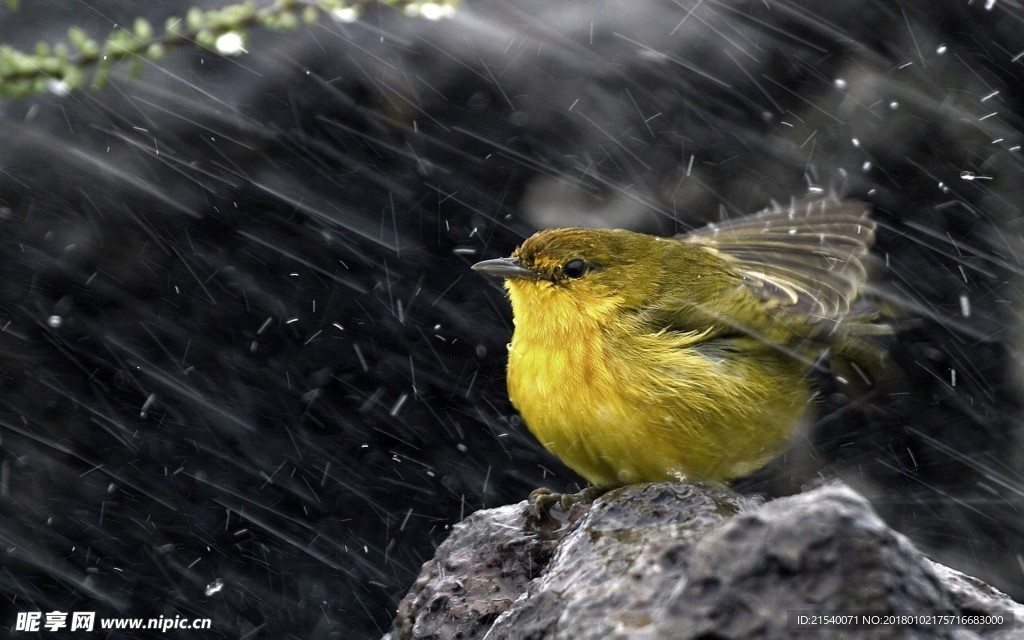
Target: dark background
{"x": 246, "y": 374}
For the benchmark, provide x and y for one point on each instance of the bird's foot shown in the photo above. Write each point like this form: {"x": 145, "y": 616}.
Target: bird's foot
{"x": 543, "y": 500}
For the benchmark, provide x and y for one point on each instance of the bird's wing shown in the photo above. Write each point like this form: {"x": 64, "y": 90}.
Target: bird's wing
{"x": 805, "y": 256}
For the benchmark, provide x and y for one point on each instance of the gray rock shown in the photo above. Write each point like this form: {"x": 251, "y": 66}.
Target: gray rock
{"x": 690, "y": 561}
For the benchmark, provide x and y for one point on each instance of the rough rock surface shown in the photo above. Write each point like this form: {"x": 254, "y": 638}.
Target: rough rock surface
{"x": 689, "y": 561}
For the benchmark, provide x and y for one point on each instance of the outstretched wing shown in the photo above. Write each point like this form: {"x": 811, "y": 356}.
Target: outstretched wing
{"x": 805, "y": 256}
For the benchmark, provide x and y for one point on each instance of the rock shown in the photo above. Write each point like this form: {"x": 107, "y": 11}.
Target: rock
{"x": 691, "y": 561}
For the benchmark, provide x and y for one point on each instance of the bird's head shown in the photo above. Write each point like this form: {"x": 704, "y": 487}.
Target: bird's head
{"x": 567, "y": 275}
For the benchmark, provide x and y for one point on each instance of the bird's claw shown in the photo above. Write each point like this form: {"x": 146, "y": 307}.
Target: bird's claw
{"x": 543, "y": 500}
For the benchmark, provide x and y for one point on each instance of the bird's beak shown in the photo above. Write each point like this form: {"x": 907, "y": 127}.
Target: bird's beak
{"x": 507, "y": 268}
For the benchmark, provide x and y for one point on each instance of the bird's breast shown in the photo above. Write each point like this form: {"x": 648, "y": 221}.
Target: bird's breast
{"x": 568, "y": 389}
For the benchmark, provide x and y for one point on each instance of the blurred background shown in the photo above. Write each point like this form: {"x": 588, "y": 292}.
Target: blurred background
{"x": 247, "y": 375}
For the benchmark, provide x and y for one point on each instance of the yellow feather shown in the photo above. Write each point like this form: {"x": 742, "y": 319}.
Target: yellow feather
{"x": 573, "y": 374}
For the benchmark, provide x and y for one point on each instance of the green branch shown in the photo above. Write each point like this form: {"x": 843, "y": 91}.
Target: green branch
{"x": 66, "y": 66}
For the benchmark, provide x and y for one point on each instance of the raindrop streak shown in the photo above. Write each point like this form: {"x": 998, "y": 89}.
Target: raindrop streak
{"x": 970, "y": 175}
{"x": 362, "y": 359}
{"x": 398, "y": 404}
{"x": 214, "y": 587}
{"x": 147, "y": 404}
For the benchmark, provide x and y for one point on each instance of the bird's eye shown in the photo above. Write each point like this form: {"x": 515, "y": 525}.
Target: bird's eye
{"x": 575, "y": 268}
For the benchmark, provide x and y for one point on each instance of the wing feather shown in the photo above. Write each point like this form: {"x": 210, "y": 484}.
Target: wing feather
{"x": 805, "y": 256}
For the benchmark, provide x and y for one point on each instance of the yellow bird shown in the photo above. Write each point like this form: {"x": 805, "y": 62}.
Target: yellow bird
{"x": 638, "y": 358}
